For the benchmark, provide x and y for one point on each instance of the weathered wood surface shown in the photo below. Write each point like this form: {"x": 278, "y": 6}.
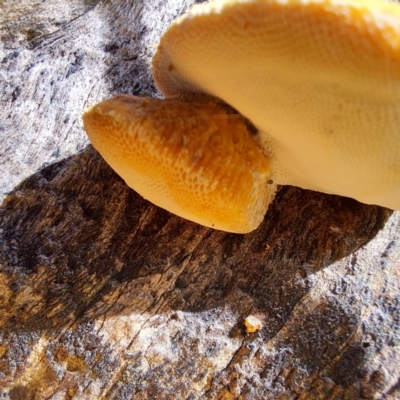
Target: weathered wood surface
{"x": 104, "y": 296}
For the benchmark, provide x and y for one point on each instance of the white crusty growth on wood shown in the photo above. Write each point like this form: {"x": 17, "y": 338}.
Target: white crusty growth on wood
{"x": 320, "y": 80}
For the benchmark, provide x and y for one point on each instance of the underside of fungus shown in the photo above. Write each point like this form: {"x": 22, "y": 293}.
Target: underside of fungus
{"x": 196, "y": 158}
{"x": 319, "y": 81}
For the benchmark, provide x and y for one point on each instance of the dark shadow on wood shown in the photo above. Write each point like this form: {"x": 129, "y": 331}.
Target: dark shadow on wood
{"x": 74, "y": 230}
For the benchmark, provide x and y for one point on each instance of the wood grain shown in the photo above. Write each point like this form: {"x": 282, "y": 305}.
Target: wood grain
{"x": 105, "y": 296}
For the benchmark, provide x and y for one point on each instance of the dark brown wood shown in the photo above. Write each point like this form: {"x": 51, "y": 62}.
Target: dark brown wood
{"x": 105, "y": 296}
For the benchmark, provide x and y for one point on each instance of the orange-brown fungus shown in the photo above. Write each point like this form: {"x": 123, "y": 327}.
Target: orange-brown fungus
{"x": 194, "y": 158}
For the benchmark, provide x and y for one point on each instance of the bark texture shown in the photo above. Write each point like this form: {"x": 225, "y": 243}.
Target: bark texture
{"x": 105, "y": 296}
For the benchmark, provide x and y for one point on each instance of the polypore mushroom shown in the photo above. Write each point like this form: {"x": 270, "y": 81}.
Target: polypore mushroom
{"x": 319, "y": 80}
{"x": 196, "y": 159}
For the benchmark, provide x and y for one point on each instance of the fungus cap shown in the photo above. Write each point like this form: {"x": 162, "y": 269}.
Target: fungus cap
{"x": 320, "y": 80}
{"x": 196, "y": 158}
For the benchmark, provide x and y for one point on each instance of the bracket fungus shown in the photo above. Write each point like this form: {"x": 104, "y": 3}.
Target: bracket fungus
{"x": 316, "y": 86}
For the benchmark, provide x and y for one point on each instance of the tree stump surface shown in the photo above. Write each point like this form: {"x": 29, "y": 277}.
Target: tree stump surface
{"x": 105, "y": 296}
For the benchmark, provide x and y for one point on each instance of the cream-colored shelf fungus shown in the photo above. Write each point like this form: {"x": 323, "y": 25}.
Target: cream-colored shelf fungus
{"x": 316, "y": 86}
